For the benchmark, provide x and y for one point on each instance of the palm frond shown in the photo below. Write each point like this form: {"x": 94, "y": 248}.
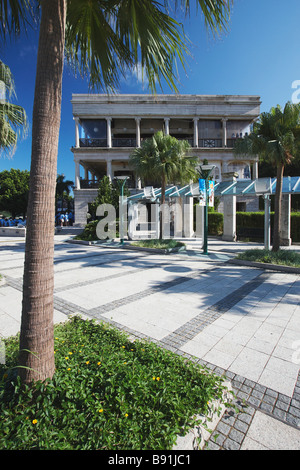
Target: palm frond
{"x": 16, "y": 16}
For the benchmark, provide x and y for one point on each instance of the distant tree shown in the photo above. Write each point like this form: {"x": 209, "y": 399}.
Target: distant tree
{"x": 108, "y": 193}
{"x": 276, "y": 140}
{"x": 13, "y": 119}
{"x": 63, "y": 189}
{"x": 14, "y": 189}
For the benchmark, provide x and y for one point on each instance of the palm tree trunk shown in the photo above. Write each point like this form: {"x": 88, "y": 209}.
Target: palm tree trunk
{"x": 36, "y": 337}
{"x": 277, "y": 211}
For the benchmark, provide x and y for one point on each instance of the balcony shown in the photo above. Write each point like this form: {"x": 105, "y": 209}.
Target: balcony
{"x": 210, "y": 143}
{"x": 124, "y": 142}
{"x": 88, "y": 142}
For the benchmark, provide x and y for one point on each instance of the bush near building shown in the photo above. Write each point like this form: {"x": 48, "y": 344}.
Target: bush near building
{"x": 251, "y": 220}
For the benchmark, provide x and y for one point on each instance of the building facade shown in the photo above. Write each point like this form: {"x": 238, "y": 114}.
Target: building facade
{"x": 109, "y": 127}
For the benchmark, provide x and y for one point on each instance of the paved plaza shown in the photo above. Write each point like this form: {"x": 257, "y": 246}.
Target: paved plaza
{"x": 240, "y": 321}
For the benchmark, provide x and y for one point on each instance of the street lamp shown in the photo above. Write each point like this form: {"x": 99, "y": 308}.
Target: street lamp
{"x": 124, "y": 179}
{"x": 205, "y": 171}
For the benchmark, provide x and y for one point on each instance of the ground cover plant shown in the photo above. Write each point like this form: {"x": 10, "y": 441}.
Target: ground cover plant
{"x": 108, "y": 392}
{"x": 155, "y": 243}
{"x": 281, "y": 257}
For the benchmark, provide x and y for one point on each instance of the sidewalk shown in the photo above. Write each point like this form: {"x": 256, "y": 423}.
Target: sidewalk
{"x": 242, "y": 322}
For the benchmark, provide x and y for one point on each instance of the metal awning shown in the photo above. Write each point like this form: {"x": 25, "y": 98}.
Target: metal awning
{"x": 290, "y": 185}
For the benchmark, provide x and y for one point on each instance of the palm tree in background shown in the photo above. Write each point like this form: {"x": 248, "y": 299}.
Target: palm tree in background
{"x": 102, "y": 39}
{"x": 63, "y": 189}
{"x": 165, "y": 159}
{"x": 13, "y": 119}
{"x": 275, "y": 139}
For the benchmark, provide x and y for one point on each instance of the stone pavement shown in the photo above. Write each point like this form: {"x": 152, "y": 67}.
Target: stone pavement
{"x": 239, "y": 321}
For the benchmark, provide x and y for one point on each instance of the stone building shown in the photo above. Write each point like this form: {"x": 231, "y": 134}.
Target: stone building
{"x": 109, "y": 127}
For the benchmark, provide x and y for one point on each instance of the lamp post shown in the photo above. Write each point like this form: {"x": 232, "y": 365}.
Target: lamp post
{"x": 124, "y": 179}
{"x": 205, "y": 171}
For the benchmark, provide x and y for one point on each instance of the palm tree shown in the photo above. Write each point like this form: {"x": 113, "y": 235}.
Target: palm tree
{"x": 101, "y": 39}
{"x": 276, "y": 140}
{"x": 164, "y": 158}
{"x": 63, "y": 188}
{"x": 13, "y": 119}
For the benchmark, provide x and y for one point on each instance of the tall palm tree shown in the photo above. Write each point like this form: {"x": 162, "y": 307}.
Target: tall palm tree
{"x": 276, "y": 140}
{"x": 13, "y": 119}
{"x": 101, "y": 39}
{"x": 164, "y": 158}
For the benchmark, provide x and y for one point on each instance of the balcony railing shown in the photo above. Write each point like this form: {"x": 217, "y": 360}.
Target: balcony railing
{"x": 87, "y": 142}
{"x": 124, "y": 142}
{"x": 231, "y": 143}
{"x": 131, "y": 142}
{"x": 210, "y": 143}
{"x": 92, "y": 184}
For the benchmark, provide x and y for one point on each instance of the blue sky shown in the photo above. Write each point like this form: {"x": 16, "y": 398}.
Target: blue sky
{"x": 258, "y": 55}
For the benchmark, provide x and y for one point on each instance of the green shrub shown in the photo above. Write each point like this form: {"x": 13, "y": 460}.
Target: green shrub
{"x": 295, "y": 226}
{"x": 215, "y": 223}
{"x": 155, "y": 243}
{"x": 89, "y": 232}
{"x": 256, "y": 220}
{"x": 281, "y": 257}
{"x": 107, "y": 393}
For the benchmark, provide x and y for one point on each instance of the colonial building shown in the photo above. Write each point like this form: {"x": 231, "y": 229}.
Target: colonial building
{"x": 109, "y": 127}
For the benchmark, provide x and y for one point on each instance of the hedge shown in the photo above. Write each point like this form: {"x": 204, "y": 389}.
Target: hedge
{"x": 251, "y": 220}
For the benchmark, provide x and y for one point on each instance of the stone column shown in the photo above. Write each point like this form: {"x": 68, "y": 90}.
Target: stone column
{"x": 229, "y": 212}
{"x": 285, "y": 229}
{"x": 77, "y": 175}
{"x": 77, "y": 142}
{"x": 167, "y": 126}
{"x": 109, "y": 143}
{"x": 188, "y": 217}
{"x": 109, "y": 169}
{"x": 224, "y": 132}
{"x": 195, "y": 132}
{"x": 255, "y": 170}
{"x": 138, "y": 131}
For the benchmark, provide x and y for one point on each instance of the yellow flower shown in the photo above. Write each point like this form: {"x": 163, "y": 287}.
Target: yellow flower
{"x": 123, "y": 347}
{"x": 157, "y": 378}
{"x": 66, "y": 358}
{"x": 87, "y": 362}
{"x": 98, "y": 363}
{"x": 70, "y": 352}
{"x": 80, "y": 350}
{"x": 69, "y": 368}
{"x": 153, "y": 378}
{"x": 101, "y": 411}
{"x": 34, "y": 421}
{"x": 126, "y": 415}
{"x": 125, "y": 362}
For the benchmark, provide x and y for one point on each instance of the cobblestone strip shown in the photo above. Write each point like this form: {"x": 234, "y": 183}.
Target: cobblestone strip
{"x": 190, "y": 329}
{"x": 249, "y": 397}
{"x": 106, "y": 278}
{"x": 97, "y": 311}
